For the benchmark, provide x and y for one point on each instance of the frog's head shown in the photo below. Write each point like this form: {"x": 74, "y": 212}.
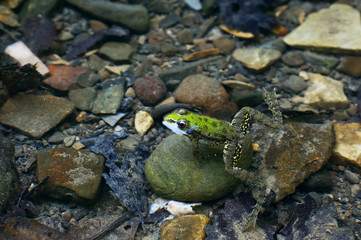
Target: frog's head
{"x": 180, "y": 121}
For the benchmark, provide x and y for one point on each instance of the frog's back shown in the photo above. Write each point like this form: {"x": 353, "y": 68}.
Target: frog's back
{"x": 215, "y": 127}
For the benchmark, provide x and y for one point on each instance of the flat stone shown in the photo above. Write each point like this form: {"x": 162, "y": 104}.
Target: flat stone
{"x": 319, "y": 59}
{"x": 350, "y": 65}
{"x": 279, "y": 146}
{"x": 323, "y": 93}
{"x": 256, "y": 59}
{"x": 82, "y": 98}
{"x": 226, "y": 45}
{"x": 74, "y": 174}
{"x": 293, "y": 59}
{"x": 109, "y": 98}
{"x": 185, "y": 227}
{"x": 62, "y": 77}
{"x": 113, "y": 119}
{"x": 347, "y": 149}
{"x": 173, "y": 172}
{"x": 336, "y": 29}
{"x": 34, "y": 114}
{"x": 117, "y": 51}
{"x": 295, "y": 83}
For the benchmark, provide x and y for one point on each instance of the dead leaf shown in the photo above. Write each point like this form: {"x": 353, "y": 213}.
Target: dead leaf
{"x": 8, "y": 17}
{"x": 237, "y": 33}
{"x": 280, "y": 10}
{"x": 202, "y": 54}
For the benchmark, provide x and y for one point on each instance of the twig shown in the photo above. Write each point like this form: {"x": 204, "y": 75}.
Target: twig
{"x": 112, "y": 226}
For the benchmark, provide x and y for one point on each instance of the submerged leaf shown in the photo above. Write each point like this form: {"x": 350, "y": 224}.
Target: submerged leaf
{"x": 126, "y": 173}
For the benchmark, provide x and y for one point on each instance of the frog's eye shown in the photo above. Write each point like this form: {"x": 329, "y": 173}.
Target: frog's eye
{"x": 182, "y": 124}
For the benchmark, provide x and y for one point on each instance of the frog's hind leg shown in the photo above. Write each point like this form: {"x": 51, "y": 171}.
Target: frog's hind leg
{"x": 273, "y": 106}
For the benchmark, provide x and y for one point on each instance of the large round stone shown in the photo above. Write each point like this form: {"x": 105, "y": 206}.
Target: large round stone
{"x": 174, "y": 173}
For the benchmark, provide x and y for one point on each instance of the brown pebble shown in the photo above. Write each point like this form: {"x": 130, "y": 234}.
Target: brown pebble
{"x": 341, "y": 168}
{"x": 348, "y": 213}
{"x": 66, "y": 216}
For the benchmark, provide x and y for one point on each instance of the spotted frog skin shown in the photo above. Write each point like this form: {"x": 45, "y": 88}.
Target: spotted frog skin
{"x": 237, "y": 151}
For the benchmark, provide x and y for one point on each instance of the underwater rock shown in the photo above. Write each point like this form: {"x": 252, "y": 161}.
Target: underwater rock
{"x": 173, "y": 172}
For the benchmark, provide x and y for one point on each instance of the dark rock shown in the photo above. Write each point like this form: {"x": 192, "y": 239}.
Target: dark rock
{"x": 9, "y": 182}
{"x": 160, "y": 6}
{"x": 96, "y": 63}
{"x": 87, "y": 79}
{"x": 34, "y": 114}
{"x": 225, "y": 44}
{"x": 168, "y": 49}
{"x": 185, "y": 36}
{"x": 351, "y": 176}
{"x": 319, "y": 181}
{"x": 169, "y": 21}
{"x": 178, "y": 73}
{"x": 319, "y": 59}
{"x": 208, "y": 6}
{"x": 246, "y": 97}
{"x": 157, "y": 37}
{"x": 134, "y": 17}
{"x": 293, "y": 59}
{"x": 277, "y": 44}
{"x": 3, "y": 93}
{"x": 117, "y": 51}
{"x": 150, "y": 90}
{"x": 83, "y": 98}
{"x": 295, "y": 83}
{"x": 33, "y": 8}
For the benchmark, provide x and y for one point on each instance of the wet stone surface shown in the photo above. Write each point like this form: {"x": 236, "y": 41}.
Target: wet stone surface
{"x": 74, "y": 174}
{"x": 34, "y": 114}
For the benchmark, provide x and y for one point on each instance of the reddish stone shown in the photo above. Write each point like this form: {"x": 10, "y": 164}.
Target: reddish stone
{"x": 156, "y": 38}
{"x": 63, "y": 76}
{"x": 201, "y": 91}
{"x": 150, "y": 90}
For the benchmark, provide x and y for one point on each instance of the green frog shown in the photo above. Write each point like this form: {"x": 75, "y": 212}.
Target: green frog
{"x": 237, "y": 150}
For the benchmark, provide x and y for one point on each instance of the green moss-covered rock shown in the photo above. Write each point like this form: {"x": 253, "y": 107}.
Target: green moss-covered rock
{"x": 174, "y": 173}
